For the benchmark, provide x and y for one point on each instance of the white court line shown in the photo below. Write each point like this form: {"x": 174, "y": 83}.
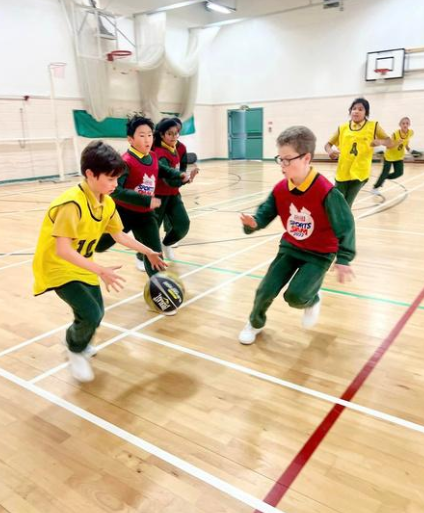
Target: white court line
{"x": 17, "y": 251}
{"x": 135, "y": 296}
{"x": 237, "y": 199}
{"x": 399, "y": 232}
{"x": 391, "y": 186}
{"x": 386, "y": 203}
{"x": 136, "y": 441}
{"x": 287, "y": 384}
{"x": 272, "y": 379}
{"x": 16, "y": 264}
{"x": 153, "y": 319}
{"x": 241, "y": 368}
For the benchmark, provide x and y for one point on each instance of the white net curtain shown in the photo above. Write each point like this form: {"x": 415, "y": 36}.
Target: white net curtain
{"x": 152, "y": 60}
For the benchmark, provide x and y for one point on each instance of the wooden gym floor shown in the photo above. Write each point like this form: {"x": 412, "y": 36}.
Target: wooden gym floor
{"x": 182, "y": 418}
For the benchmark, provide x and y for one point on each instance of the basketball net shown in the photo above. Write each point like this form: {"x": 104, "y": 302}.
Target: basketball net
{"x": 382, "y": 75}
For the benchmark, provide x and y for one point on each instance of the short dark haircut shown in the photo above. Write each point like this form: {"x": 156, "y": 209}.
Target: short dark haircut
{"x": 136, "y": 121}
{"x": 163, "y": 126}
{"x": 101, "y": 158}
{"x": 365, "y": 103}
{"x": 301, "y": 138}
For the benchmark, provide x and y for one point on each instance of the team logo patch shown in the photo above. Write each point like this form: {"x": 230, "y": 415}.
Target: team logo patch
{"x": 147, "y": 188}
{"x": 300, "y": 224}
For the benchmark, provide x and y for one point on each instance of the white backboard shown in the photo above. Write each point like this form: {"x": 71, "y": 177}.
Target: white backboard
{"x": 390, "y": 60}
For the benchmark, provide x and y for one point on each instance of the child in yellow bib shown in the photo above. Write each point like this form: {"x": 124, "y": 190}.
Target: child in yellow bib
{"x": 396, "y": 154}
{"x": 63, "y": 259}
{"x": 355, "y": 141}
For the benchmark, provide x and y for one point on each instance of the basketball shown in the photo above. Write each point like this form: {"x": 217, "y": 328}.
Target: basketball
{"x": 164, "y": 293}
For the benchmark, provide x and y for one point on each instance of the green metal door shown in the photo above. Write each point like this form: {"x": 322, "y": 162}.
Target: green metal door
{"x": 254, "y": 134}
{"x": 237, "y": 134}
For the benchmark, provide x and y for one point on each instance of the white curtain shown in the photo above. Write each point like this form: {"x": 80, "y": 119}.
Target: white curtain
{"x": 90, "y": 51}
{"x": 151, "y": 61}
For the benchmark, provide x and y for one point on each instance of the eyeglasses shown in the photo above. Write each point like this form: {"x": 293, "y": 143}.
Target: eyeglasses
{"x": 287, "y": 162}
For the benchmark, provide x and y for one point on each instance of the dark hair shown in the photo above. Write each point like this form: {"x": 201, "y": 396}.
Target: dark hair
{"x": 365, "y": 103}
{"x": 136, "y": 121}
{"x": 301, "y": 138}
{"x": 178, "y": 120}
{"x": 101, "y": 158}
{"x": 163, "y": 126}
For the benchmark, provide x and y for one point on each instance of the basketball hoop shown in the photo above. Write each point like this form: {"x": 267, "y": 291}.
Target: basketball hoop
{"x": 118, "y": 54}
{"x": 57, "y": 69}
{"x": 382, "y": 72}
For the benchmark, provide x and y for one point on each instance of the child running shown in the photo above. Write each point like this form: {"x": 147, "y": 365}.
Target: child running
{"x": 395, "y": 155}
{"x": 319, "y": 228}
{"x": 135, "y": 194}
{"x": 356, "y": 140}
{"x": 63, "y": 259}
{"x": 172, "y": 206}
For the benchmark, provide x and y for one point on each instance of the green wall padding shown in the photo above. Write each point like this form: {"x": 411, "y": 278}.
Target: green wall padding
{"x": 87, "y": 126}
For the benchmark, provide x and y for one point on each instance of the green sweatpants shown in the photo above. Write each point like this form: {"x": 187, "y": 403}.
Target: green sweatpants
{"x": 177, "y": 218}
{"x": 385, "y": 173}
{"x": 302, "y": 292}
{"x": 86, "y": 302}
{"x": 145, "y": 229}
{"x": 350, "y": 189}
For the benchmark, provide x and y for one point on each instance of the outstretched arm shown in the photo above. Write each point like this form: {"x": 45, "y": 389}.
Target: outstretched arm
{"x": 264, "y": 215}
{"x": 65, "y": 250}
{"x": 129, "y": 242}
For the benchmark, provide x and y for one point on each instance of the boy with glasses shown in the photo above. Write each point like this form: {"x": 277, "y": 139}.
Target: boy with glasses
{"x": 319, "y": 228}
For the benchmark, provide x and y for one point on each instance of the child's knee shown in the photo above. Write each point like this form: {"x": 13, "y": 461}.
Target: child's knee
{"x": 95, "y": 316}
{"x": 182, "y": 230}
{"x": 295, "y": 299}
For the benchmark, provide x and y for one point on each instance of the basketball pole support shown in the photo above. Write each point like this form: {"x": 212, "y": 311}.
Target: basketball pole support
{"x": 56, "y": 125}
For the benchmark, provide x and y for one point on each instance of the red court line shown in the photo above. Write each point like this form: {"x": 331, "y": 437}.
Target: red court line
{"x": 282, "y": 485}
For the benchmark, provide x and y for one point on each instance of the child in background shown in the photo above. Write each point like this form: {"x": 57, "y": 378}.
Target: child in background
{"x": 356, "y": 140}
{"x": 135, "y": 194}
{"x": 182, "y": 153}
{"x": 63, "y": 259}
{"x": 396, "y": 154}
{"x": 319, "y": 228}
{"x": 172, "y": 206}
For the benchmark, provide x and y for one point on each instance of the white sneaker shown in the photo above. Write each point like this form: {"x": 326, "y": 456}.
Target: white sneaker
{"x": 311, "y": 314}
{"x": 248, "y": 334}
{"x": 140, "y": 265}
{"x": 168, "y": 252}
{"x": 376, "y": 192}
{"x": 90, "y": 351}
{"x": 80, "y": 367}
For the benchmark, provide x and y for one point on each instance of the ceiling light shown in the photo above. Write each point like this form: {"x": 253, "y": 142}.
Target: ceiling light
{"x": 223, "y": 9}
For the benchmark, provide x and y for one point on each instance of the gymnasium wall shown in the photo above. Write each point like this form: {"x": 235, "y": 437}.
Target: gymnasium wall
{"x": 302, "y": 67}
{"x": 306, "y": 66}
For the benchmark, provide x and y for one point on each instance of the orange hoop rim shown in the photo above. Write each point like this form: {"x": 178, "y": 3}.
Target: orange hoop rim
{"x": 118, "y": 54}
{"x": 382, "y": 71}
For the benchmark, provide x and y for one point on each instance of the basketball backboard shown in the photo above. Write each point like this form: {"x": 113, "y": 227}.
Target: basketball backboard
{"x": 390, "y": 60}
